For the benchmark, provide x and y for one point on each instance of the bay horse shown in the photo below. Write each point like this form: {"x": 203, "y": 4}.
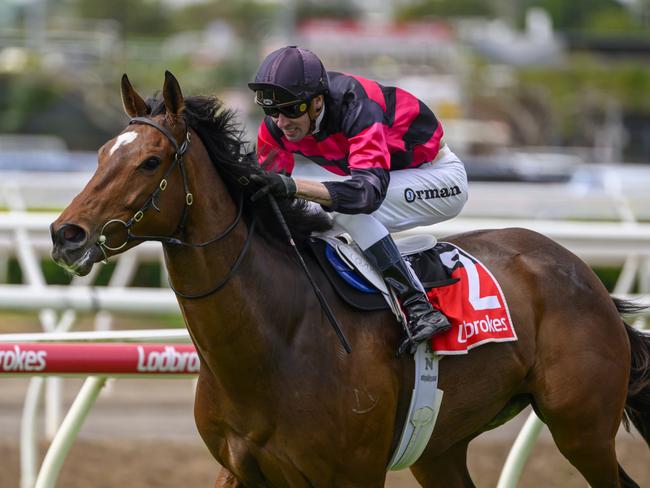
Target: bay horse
{"x": 279, "y": 403}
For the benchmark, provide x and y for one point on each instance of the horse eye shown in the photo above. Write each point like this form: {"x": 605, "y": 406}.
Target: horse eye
{"x": 150, "y": 163}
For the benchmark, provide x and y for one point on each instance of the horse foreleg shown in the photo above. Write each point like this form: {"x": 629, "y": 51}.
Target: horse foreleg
{"x": 448, "y": 470}
{"x": 227, "y": 480}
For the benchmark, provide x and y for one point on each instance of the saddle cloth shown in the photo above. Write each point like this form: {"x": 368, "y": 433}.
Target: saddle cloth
{"x": 457, "y": 284}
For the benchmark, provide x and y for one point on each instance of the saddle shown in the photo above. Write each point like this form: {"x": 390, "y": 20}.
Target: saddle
{"x": 359, "y": 284}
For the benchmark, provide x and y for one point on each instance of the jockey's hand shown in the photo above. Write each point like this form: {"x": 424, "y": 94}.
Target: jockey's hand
{"x": 276, "y": 184}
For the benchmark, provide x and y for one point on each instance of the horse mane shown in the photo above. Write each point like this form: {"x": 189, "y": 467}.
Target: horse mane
{"x": 223, "y": 137}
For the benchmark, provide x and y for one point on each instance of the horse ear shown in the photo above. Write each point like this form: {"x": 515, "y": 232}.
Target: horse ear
{"x": 133, "y": 103}
{"x": 174, "y": 102}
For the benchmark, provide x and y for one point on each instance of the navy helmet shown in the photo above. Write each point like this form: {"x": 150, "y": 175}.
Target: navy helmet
{"x": 290, "y": 76}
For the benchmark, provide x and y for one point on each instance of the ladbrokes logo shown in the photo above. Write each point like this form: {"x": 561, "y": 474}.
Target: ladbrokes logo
{"x": 411, "y": 195}
{"x": 488, "y": 325}
{"x": 17, "y": 360}
{"x": 167, "y": 361}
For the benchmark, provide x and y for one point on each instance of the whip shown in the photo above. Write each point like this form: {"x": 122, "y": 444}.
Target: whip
{"x": 323, "y": 303}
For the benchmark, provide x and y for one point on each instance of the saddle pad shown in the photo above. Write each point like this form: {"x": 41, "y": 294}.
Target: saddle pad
{"x": 474, "y": 304}
{"x": 354, "y": 297}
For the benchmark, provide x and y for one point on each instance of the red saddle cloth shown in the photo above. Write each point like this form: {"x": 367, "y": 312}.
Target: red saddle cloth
{"x": 475, "y": 304}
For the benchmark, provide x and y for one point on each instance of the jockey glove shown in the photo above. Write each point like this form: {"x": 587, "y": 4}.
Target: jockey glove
{"x": 276, "y": 184}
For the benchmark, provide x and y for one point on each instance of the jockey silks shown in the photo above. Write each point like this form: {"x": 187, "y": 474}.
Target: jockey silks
{"x": 367, "y": 131}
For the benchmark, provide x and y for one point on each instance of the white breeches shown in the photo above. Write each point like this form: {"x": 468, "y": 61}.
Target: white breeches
{"x": 432, "y": 193}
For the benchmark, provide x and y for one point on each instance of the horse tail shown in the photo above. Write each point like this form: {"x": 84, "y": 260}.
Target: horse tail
{"x": 637, "y": 405}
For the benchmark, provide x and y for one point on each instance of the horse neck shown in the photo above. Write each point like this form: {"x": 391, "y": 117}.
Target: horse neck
{"x": 228, "y": 327}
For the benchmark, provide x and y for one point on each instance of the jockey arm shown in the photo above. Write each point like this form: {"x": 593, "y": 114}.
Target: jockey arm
{"x": 368, "y": 161}
{"x": 314, "y": 191}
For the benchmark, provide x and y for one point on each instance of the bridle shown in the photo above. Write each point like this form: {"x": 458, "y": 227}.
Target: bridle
{"x": 180, "y": 151}
{"x": 151, "y": 201}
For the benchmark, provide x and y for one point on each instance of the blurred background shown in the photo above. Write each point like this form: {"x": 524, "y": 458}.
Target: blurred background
{"x": 526, "y": 89}
{"x": 547, "y": 102}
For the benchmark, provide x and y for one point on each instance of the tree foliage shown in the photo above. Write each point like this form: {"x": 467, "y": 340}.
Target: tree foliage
{"x": 588, "y": 15}
{"x": 141, "y": 18}
{"x": 445, "y": 8}
{"x": 250, "y": 18}
{"x": 337, "y": 9}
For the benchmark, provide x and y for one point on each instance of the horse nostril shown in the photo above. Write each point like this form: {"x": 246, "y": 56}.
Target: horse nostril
{"x": 70, "y": 234}
{"x": 73, "y": 234}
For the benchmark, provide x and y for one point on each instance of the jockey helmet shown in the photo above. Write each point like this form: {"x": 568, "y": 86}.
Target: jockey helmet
{"x": 288, "y": 79}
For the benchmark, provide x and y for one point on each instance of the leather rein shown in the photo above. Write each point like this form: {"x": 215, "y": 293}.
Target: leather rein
{"x": 152, "y": 202}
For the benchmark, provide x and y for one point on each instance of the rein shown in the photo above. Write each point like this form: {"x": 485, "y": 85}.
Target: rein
{"x": 180, "y": 151}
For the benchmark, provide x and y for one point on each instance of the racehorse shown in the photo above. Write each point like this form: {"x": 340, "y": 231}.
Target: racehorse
{"x": 279, "y": 402}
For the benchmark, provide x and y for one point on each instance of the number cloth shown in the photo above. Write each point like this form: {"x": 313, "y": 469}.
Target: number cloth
{"x": 475, "y": 305}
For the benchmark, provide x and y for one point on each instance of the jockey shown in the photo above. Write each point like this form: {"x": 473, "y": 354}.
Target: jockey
{"x": 389, "y": 143}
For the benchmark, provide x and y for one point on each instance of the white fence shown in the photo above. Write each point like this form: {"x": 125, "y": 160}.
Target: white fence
{"x": 596, "y": 192}
{"x": 26, "y": 235}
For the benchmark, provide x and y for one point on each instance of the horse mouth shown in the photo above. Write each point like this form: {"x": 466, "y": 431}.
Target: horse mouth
{"x": 82, "y": 265}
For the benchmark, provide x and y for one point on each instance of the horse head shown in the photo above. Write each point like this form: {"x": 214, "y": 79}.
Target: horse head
{"x": 139, "y": 189}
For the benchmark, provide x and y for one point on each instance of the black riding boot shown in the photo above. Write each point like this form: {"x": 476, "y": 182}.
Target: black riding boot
{"x": 423, "y": 320}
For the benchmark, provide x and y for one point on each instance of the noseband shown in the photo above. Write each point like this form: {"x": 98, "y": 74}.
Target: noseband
{"x": 180, "y": 151}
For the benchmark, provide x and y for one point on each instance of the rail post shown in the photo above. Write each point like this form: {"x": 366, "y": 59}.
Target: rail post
{"x": 519, "y": 452}
{"x": 68, "y": 431}
{"x": 28, "y": 435}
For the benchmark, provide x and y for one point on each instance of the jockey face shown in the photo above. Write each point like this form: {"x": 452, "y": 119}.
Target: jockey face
{"x": 295, "y": 128}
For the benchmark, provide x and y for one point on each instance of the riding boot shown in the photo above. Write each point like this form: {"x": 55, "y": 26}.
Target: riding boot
{"x": 423, "y": 320}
